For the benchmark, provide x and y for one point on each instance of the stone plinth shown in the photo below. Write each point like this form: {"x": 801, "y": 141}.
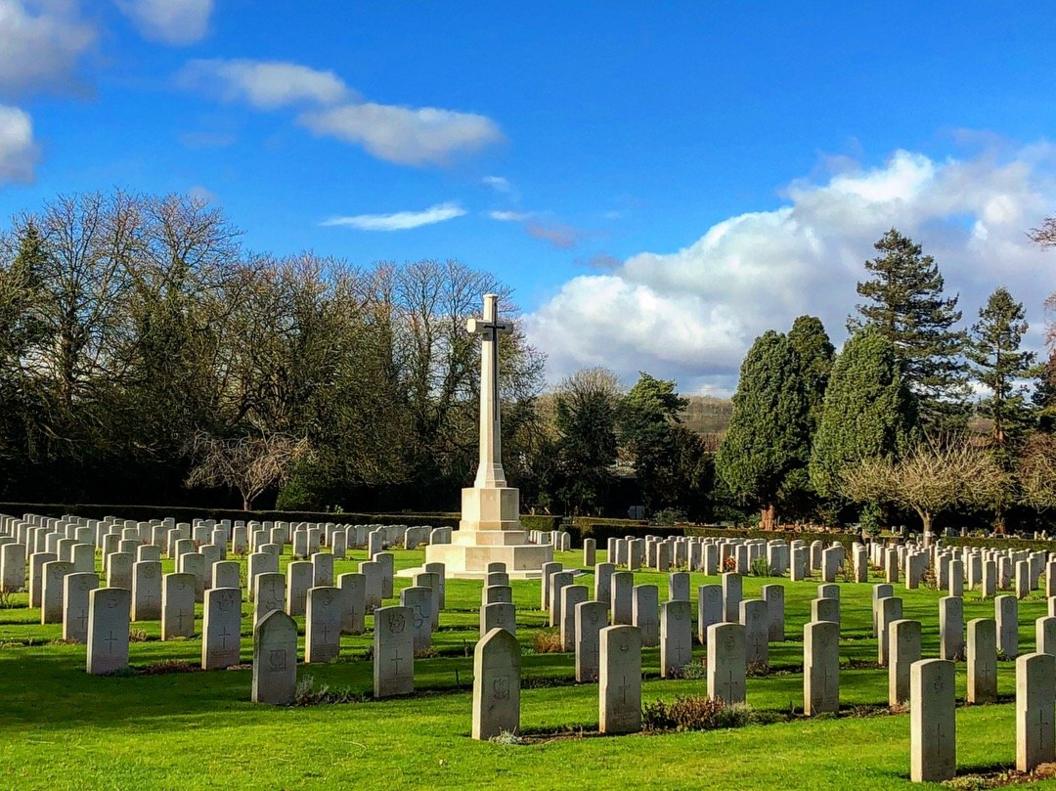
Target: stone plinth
{"x": 490, "y": 531}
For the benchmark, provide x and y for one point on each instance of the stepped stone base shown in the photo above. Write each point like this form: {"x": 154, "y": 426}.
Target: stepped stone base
{"x": 489, "y": 532}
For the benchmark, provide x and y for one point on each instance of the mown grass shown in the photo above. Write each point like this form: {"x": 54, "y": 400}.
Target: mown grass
{"x": 168, "y": 728}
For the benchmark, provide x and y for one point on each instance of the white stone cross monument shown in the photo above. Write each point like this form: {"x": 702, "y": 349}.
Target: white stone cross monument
{"x": 490, "y": 528}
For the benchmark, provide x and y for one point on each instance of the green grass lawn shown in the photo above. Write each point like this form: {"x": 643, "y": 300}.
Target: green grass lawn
{"x": 60, "y": 728}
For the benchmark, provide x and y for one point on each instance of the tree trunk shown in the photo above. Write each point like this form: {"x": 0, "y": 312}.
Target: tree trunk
{"x": 925, "y": 518}
{"x": 766, "y": 516}
{"x": 999, "y": 522}
{"x": 247, "y": 503}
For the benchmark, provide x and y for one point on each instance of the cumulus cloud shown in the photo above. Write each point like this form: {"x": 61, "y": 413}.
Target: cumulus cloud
{"x": 176, "y": 22}
{"x": 18, "y": 152}
{"x": 399, "y": 221}
{"x": 693, "y": 313}
{"x": 405, "y": 135}
{"x": 266, "y": 85}
{"x": 41, "y": 42}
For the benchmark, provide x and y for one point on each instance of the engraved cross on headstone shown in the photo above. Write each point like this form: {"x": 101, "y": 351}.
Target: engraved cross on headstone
{"x": 623, "y": 687}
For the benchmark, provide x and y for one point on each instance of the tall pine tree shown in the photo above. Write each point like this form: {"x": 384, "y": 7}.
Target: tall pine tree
{"x": 768, "y": 438}
{"x": 869, "y": 411}
{"x": 815, "y": 350}
{"x": 1044, "y": 396}
{"x": 905, "y": 303}
{"x": 586, "y": 408}
{"x": 999, "y": 364}
{"x": 649, "y": 417}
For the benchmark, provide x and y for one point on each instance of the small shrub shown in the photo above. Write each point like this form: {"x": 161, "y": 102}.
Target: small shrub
{"x": 308, "y": 694}
{"x": 760, "y": 568}
{"x": 730, "y": 564}
{"x": 506, "y": 737}
{"x": 693, "y": 713}
{"x": 168, "y": 666}
{"x": 669, "y": 516}
{"x": 547, "y": 641}
{"x": 756, "y": 669}
{"x": 694, "y": 670}
{"x": 137, "y": 636}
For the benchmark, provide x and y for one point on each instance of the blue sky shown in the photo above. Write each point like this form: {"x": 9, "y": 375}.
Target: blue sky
{"x": 669, "y": 179}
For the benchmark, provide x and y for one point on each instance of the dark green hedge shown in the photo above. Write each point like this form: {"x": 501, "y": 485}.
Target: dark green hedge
{"x": 999, "y": 543}
{"x": 545, "y": 522}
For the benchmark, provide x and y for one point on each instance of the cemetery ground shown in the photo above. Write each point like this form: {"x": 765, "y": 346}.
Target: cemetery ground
{"x": 165, "y": 724}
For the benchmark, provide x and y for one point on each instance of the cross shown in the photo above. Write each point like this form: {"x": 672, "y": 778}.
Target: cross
{"x": 110, "y": 642}
{"x": 326, "y": 632}
{"x": 223, "y": 637}
{"x": 489, "y": 473}
{"x": 1041, "y": 726}
{"x": 623, "y": 690}
{"x": 825, "y": 682}
{"x": 395, "y": 663}
{"x": 180, "y": 615}
{"x": 679, "y": 647}
{"x": 82, "y": 619}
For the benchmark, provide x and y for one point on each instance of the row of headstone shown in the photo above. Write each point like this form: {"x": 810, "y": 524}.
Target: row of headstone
{"x": 932, "y": 699}
{"x": 798, "y": 559}
{"x": 124, "y": 542}
{"x": 986, "y": 570}
{"x": 560, "y": 540}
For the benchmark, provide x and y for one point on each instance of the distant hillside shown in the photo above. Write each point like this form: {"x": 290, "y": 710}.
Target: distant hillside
{"x": 707, "y": 414}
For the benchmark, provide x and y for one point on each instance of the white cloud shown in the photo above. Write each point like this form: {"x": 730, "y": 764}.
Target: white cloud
{"x": 18, "y": 152}
{"x": 176, "y": 22}
{"x": 401, "y": 220}
{"x": 509, "y": 216}
{"x": 405, "y": 135}
{"x": 41, "y": 42}
{"x": 263, "y": 84}
{"x": 498, "y": 183}
{"x": 693, "y": 313}
{"x": 202, "y": 194}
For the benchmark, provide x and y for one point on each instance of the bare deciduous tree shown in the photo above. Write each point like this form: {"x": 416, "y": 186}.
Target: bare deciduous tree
{"x": 933, "y": 477}
{"x": 250, "y": 464}
{"x": 1045, "y": 234}
{"x": 1037, "y": 472}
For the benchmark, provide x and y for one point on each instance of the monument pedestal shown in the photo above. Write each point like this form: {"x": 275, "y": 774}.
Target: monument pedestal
{"x": 489, "y": 531}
